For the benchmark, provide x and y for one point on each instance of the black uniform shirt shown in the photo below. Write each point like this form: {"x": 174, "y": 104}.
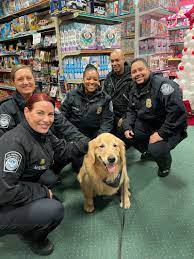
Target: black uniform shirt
{"x": 156, "y": 106}
{"x": 92, "y": 115}
{"x": 118, "y": 87}
{"x": 25, "y": 156}
{"x": 12, "y": 113}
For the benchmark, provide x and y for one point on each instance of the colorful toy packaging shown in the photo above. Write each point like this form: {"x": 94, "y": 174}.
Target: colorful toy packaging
{"x": 126, "y": 7}
{"x": 108, "y": 36}
{"x": 171, "y": 5}
{"x": 75, "y": 36}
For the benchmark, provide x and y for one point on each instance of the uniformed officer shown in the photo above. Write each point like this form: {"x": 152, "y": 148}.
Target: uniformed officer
{"x": 12, "y": 107}
{"x": 27, "y": 206}
{"x": 118, "y": 84}
{"x": 88, "y": 107}
{"x": 156, "y": 119}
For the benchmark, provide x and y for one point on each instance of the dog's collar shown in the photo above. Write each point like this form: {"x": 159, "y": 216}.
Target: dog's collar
{"x": 115, "y": 183}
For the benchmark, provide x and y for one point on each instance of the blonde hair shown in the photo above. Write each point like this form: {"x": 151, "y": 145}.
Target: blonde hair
{"x": 16, "y": 68}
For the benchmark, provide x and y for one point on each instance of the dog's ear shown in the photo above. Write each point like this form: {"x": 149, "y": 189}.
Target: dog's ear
{"x": 122, "y": 150}
{"x": 90, "y": 156}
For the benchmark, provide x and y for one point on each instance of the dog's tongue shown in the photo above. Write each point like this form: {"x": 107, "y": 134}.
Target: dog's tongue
{"x": 110, "y": 168}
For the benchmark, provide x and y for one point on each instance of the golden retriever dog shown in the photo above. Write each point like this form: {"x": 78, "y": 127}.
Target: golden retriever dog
{"x": 104, "y": 171}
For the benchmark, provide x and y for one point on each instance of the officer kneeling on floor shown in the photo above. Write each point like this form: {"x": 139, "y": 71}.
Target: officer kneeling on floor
{"x": 27, "y": 205}
{"x": 156, "y": 120}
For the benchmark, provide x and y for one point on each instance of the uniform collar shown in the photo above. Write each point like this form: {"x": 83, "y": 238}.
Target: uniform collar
{"x": 21, "y": 102}
{"x": 81, "y": 91}
{"x": 127, "y": 70}
{"x": 144, "y": 88}
{"x": 38, "y": 136}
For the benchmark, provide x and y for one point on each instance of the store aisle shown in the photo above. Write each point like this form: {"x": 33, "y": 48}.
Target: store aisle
{"x": 160, "y": 223}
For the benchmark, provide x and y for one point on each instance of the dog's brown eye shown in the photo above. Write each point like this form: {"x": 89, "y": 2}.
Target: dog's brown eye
{"x": 114, "y": 145}
{"x": 101, "y": 146}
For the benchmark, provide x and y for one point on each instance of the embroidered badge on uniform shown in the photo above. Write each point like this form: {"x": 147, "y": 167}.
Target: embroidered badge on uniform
{"x": 4, "y": 120}
{"x": 166, "y": 89}
{"x": 99, "y": 110}
{"x": 148, "y": 103}
{"x": 12, "y": 161}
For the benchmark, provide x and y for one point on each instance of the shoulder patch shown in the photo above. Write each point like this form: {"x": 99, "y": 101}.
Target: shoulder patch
{"x": 12, "y": 161}
{"x": 166, "y": 89}
{"x": 6, "y": 99}
{"x": 4, "y": 120}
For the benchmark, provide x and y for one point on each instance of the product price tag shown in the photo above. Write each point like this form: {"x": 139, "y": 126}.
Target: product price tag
{"x": 36, "y": 38}
{"x": 53, "y": 91}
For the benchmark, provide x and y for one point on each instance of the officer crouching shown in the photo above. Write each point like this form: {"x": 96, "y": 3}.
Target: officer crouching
{"x": 156, "y": 120}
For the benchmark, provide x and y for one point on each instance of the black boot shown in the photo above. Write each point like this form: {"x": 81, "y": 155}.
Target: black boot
{"x": 163, "y": 173}
{"x": 45, "y": 247}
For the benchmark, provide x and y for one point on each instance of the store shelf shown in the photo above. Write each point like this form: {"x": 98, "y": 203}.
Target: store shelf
{"x": 23, "y": 35}
{"x": 174, "y": 59}
{"x": 152, "y": 37}
{"x": 158, "y": 12}
{"x": 131, "y": 36}
{"x": 128, "y": 53}
{"x": 79, "y": 16}
{"x": 7, "y": 87}
{"x": 5, "y": 70}
{"x": 33, "y": 8}
{"x": 50, "y": 27}
{"x": 178, "y": 28}
{"x": 28, "y": 33}
{"x": 127, "y": 16}
{"x": 9, "y": 54}
{"x": 74, "y": 81}
{"x": 87, "y": 51}
{"x": 155, "y": 53}
{"x": 177, "y": 43}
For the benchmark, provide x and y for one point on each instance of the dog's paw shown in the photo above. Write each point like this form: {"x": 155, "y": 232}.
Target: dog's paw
{"x": 88, "y": 208}
{"x": 125, "y": 205}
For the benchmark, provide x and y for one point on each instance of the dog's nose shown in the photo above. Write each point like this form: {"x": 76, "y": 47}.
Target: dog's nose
{"x": 111, "y": 159}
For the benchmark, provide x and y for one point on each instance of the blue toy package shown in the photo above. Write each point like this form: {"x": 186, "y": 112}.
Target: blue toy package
{"x": 55, "y": 6}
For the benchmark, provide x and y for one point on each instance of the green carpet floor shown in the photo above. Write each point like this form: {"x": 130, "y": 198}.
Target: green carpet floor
{"x": 159, "y": 224}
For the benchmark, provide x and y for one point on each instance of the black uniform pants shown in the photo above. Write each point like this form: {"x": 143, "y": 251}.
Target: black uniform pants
{"x": 33, "y": 221}
{"x": 160, "y": 151}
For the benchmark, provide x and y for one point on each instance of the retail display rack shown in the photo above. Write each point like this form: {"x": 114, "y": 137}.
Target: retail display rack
{"x": 28, "y": 36}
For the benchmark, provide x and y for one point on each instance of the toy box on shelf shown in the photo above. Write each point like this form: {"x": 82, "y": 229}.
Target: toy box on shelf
{"x": 126, "y": 7}
{"x": 67, "y": 6}
{"x": 171, "y": 5}
{"x": 96, "y": 7}
{"x": 74, "y": 66}
{"x": 11, "y": 6}
{"x": 151, "y": 27}
{"x": 112, "y": 9}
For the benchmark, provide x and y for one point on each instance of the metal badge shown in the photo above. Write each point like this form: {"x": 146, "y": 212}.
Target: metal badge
{"x": 99, "y": 110}
{"x": 148, "y": 103}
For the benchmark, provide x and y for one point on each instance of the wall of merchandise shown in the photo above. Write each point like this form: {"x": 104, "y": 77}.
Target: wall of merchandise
{"x": 59, "y": 38}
